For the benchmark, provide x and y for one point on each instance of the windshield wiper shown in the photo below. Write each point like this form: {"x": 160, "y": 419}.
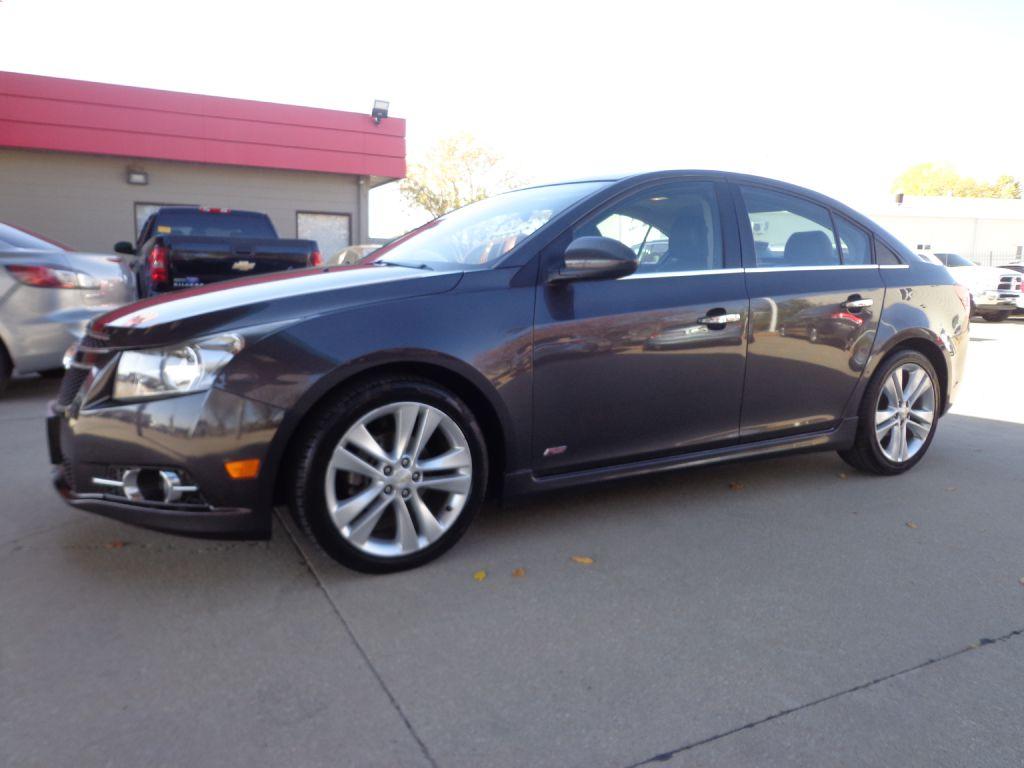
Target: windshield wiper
{"x": 407, "y": 266}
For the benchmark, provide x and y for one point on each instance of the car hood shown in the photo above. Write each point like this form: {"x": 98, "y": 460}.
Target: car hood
{"x": 263, "y": 300}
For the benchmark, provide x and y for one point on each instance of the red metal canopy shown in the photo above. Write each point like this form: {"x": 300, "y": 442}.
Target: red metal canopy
{"x": 95, "y": 118}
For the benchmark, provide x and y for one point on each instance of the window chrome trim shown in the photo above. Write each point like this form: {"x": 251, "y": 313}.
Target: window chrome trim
{"x": 816, "y": 268}
{"x": 759, "y": 270}
{"x": 684, "y": 273}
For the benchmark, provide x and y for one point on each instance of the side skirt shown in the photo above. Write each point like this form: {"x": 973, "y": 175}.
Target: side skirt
{"x": 524, "y": 482}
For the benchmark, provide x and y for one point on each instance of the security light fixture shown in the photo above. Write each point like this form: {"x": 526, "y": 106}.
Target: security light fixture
{"x": 380, "y": 110}
{"x": 137, "y": 176}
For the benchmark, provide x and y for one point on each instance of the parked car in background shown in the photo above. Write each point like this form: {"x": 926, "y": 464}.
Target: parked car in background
{"x": 351, "y": 255}
{"x": 1017, "y": 266}
{"x": 186, "y": 247}
{"x": 506, "y": 348}
{"x": 48, "y": 292}
{"x": 995, "y": 291}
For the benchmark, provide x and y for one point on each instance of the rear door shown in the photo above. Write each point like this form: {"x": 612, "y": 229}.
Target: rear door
{"x": 814, "y": 308}
{"x": 639, "y": 367}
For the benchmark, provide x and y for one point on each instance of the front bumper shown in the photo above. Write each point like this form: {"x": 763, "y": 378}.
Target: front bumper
{"x": 193, "y": 435}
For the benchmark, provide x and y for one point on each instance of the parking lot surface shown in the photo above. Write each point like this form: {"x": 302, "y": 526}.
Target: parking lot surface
{"x": 789, "y": 612}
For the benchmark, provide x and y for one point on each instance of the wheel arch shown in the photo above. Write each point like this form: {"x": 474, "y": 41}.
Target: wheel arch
{"x": 928, "y": 346}
{"x": 493, "y": 422}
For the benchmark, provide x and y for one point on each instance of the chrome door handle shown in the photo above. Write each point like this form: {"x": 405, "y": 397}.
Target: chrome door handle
{"x": 858, "y": 303}
{"x": 732, "y": 317}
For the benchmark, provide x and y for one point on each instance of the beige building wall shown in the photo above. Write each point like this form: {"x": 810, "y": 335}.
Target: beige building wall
{"x": 86, "y": 202}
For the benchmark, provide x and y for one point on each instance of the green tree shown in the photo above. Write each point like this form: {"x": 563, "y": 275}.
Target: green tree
{"x": 932, "y": 180}
{"x": 456, "y": 171}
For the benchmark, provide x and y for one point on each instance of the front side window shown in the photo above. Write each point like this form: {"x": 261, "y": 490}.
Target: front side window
{"x": 479, "y": 234}
{"x": 674, "y": 228}
{"x": 788, "y": 230}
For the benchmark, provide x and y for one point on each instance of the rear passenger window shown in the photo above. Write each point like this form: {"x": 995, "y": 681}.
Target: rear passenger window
{"x": 854, "y": 243}
{"x": 789, "y": 231}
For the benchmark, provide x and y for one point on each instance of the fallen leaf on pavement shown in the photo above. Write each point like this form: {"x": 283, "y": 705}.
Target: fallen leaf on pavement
{"x": 117, "y": 544}
{"x": 911, "y": 525}
{"x": 582, "y": 559}
{"x": 842, "y": 475}
{"x": 519, "y": 572}
{"x": 1021, "y": 581}
{"x": 735, "y": 486}
{"x": 950, "y": 488}
{"x": 480, "y": 575}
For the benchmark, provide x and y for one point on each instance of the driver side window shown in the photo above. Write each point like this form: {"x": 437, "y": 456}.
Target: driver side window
{"x": 674, "y": 228}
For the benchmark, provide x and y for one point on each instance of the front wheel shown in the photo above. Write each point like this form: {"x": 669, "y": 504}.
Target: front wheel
{"x": 897, "y": 416}
{"x": 390, "y": 474}
{"x": 995, "y": 317}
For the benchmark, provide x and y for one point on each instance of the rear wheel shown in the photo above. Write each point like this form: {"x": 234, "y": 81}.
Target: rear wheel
{"x": 390, "y": 474}
{"x": 897, "y": 416}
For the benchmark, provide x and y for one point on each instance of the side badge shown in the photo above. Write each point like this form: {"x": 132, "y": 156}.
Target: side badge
{"x": 555, "y": 450}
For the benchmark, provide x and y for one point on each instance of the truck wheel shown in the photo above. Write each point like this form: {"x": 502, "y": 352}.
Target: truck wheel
{"x": 897, "y": 417}
{"x": 389, "y": 474}
{"x": 6, "y": 367}
{"x": 995, "y": 317}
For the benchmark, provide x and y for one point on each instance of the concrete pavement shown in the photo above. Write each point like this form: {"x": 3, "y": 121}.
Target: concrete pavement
{"x": 784, "y": 612}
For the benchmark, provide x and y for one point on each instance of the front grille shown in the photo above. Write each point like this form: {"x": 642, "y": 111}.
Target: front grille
{"x": 88, "y": 356}
{"x": 1009, "y": 283}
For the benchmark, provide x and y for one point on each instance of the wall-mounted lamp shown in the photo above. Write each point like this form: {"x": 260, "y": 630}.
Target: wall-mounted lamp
{"x": 137, "y": 176}
{"x": 380, "y": 110}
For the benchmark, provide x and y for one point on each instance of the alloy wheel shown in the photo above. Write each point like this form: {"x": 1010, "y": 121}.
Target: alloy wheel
{"x": 398, "y": 479}
{"x": 905, "y": 412}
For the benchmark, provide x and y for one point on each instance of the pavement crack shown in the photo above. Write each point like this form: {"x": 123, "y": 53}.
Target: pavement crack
{"x": 666, "y": 756}
{"x": 355, "y": 641}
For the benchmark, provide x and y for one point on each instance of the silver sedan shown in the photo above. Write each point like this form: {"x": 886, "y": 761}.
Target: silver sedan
{"x": 48, "y": 292}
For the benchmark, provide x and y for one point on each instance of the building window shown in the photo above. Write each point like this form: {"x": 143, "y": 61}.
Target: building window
{"x": 330, "y": 230}
{"x": 144, "y": 210}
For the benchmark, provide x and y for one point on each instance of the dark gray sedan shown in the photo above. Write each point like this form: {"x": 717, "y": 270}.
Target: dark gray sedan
{"x": 516, "y": 345}
{"x": 48, "y": 292}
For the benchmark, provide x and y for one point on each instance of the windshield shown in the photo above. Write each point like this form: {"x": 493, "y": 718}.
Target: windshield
{"x": 14, "y": 239}
{"x": 479, "y": 234}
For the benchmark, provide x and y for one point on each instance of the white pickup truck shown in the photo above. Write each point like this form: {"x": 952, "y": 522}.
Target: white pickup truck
{"x": 995, "y": 292}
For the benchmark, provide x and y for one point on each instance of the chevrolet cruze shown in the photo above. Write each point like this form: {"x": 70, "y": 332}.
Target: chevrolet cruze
{"x": 543, "y": 338}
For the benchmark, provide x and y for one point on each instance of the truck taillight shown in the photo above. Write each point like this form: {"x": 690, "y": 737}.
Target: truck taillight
{"x": 50, "y": 277}
{"x": 158, "y": 272}
{"x": 315, "y": 259}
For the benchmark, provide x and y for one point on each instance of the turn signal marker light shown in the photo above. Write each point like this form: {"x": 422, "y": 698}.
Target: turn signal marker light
{"x": 245, "y": 469}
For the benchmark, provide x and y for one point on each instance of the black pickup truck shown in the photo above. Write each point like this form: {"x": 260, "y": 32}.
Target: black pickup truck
{"x": 185, "y": 247}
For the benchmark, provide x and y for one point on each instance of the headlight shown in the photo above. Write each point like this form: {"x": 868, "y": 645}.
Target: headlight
{"x": 176, "y": 370}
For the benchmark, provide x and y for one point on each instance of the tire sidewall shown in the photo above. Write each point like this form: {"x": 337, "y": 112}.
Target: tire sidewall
{"x": 338, "y": 420}
{"x": 871, "y": 401}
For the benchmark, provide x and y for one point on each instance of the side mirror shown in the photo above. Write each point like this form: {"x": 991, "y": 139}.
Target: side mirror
{"x": 124, "y": 247}
{"x": 595, "y": 258}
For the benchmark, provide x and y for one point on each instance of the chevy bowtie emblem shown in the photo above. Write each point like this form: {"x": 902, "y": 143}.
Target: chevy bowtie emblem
{"x": 244, "y": 266}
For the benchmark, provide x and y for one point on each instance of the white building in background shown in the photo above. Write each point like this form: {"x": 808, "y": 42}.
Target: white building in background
{"x": 988, "y": 231}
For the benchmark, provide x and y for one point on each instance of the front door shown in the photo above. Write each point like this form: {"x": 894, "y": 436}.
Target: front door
{"x": 650, "y": 364}
{"x": 814, "y": 310}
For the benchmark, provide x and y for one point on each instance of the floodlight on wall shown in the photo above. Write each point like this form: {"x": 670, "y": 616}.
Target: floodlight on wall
{"x": 380, "y": 110}
{"x": 136, "y": 176}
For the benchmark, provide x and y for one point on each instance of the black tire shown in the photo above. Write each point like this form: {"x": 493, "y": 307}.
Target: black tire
{"x": 866, "y": 454}
{"x": 316, "y": 444}
{"x": 6, "y": 368}
{"x": 995, "y": 317}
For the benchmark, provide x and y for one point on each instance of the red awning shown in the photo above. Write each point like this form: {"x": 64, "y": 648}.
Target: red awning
{"x": 95, "y": 118}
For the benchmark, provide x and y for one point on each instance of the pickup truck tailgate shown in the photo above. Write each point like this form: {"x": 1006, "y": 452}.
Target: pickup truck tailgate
{"x": 197, "y": 260}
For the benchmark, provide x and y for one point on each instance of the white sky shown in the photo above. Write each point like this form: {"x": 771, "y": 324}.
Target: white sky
{"x": 838, "y": 96}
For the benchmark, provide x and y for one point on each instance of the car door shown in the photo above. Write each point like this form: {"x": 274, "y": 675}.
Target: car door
{"x": 650, "y": 364}
{"x": 814, "y": 311}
